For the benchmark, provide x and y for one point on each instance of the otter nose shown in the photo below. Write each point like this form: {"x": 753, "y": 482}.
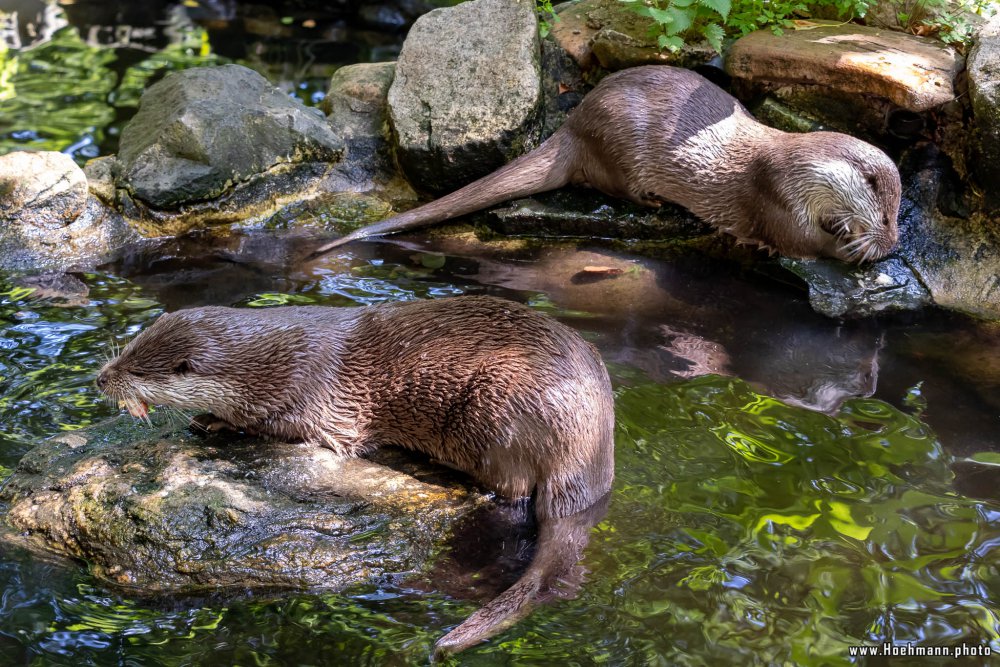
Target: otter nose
{"x": 102, "y": 380}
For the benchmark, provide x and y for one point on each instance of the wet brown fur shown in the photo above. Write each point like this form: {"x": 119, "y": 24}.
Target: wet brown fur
{"x": 657, "y": 134}
{"x": 510, "y": 396}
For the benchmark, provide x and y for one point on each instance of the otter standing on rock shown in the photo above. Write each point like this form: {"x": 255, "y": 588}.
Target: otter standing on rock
{"x": 656, "y": 134}
{"x": 493, "y": 388}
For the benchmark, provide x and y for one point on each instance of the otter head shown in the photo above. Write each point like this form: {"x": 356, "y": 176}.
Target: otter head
{"x": 218, "y": 360}
{"x": 850, "y": 190}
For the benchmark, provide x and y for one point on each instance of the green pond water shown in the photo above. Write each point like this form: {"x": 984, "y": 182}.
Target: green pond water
{"x": 787, "y": 486}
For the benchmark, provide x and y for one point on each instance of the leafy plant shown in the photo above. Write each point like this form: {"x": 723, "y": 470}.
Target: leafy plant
{"x": 950, "y": 20}
{"x": 676, "y": 22}
{"x": 679, "y": 20}
{"x": 546, "y": 16}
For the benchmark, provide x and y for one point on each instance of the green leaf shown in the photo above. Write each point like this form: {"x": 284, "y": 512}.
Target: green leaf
{"x": 661, "y": 16}
{"x": 682, "y": 20}
{"x": 721, "y": 6}
{"x": 670, "y": 42}
{"x": 713, "y": 34}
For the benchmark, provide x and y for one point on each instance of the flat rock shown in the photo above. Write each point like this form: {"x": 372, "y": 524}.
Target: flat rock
{"x": 984, "y": 93}
{"x": 203, "y": 131}
{"x": 467, "y": 95}
{"x": 159, "y": 509}
{"x": 915, "y": 73}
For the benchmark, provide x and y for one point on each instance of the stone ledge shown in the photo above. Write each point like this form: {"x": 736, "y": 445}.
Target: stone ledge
{"x": 913, "y": 72}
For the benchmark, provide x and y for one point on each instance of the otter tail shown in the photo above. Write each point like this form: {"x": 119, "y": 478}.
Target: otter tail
{"x": 545, "y": 168}
{"x": 558, "y": 551}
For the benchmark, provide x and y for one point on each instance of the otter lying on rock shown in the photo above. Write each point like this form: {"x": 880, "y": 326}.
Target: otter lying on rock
{"x": 510, "y": 396}
{"x": 656, "y": 134}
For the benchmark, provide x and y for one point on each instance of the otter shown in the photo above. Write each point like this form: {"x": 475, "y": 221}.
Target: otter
{"x": 656, "y": 134}
{"x": 512, "y": 397}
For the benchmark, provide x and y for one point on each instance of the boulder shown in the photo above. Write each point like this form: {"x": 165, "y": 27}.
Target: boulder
{"x": 45, "y": 189}
{"x": 915, "y": 73}
{"x": 984, "y": 94}
{"x": 357, "y": 110}
{"x": 201, "y": 133}
{"x": 467, "y": 95}
{"x": 156, "y": 508}
{"x": 48, "y": 220}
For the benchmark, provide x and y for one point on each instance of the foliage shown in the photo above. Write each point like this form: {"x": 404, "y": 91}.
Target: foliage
{"x": 678, "y": 21}
{"x": 950, "y": 20}
{"x": 546, "y": 15}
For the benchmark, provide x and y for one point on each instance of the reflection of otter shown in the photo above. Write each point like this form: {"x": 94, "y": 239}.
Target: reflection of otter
{"x": 490, "y": 387}
{"x": 659, "y": 134}
{"x": 818, "y": 373}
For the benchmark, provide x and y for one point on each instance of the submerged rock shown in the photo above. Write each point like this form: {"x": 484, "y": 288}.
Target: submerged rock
{"x": 467, "y": 94}
{"x": 160, "y": 509}
{"x": 48, "y": 220}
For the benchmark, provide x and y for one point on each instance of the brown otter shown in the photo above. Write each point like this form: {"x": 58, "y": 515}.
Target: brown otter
{"x": 657, "y": 134}
{"x": 493, "y": 388}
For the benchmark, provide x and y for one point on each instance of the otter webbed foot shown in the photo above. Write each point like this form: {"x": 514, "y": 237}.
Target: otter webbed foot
{"x": 209, "y": 423}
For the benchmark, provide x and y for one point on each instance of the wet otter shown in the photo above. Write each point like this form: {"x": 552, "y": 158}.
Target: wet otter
{"x": 656, "y": 134}
{"x": 493, "y": 388}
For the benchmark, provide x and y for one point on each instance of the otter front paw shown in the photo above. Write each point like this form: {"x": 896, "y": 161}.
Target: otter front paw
{"x": 209, "y": 423}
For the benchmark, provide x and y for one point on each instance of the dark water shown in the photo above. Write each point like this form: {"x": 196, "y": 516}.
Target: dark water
{"x": 787, "y": 486}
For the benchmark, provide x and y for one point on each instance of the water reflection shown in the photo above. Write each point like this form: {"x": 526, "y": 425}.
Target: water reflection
{"x": 71, "y": 74}
{"x": 742, "y": 529}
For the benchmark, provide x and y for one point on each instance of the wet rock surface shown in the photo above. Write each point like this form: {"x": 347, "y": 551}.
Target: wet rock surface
{"x": 201, "y": 132}
{"x": 984, "y": 94}
{"x": 957, "y": 257}
{"x": 579, "y": 212}
{"x": 467, "y": 95}
{"x": 157, "y": 508}
{"x": 837, "y": 289}
{"x": 48, "y": 220}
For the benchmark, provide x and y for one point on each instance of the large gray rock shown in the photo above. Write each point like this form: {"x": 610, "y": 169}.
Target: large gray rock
{"x": 984, "y": 93}
{"x": 201, "y": 132}
{"x": 159, "y": 509}
{"x": 467, "y": 91}
{"x": 48, "y": 220}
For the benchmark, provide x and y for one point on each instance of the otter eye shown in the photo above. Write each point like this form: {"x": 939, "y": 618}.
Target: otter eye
{"x": 872, "y": 183}
{"x": 182, "y": 367}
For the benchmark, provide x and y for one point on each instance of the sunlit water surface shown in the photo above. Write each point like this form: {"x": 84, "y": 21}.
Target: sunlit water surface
{"x": 742, "y": 528}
